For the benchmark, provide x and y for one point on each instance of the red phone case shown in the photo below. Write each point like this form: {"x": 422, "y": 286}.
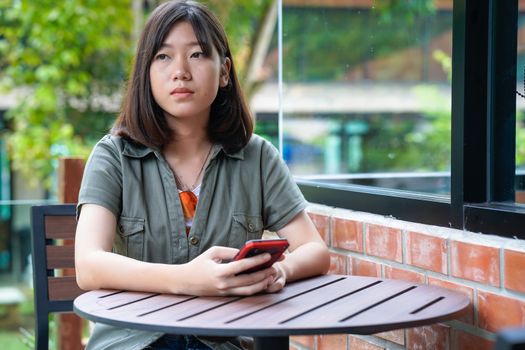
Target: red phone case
{"x": 275, "y": 247}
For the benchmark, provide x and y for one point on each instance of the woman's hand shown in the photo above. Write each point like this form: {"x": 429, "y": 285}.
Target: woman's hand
{"x": 207, "y": 274}
{"x": 279, "y": 280}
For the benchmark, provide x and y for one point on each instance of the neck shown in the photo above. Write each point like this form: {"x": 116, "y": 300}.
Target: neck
{"x": 187, "y": 147}
{"x": 187, "y": 161}
{"x": 188, "y": 141}
{"x": 188, "y": 127}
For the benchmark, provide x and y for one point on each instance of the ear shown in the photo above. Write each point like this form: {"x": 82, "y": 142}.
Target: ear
{"x": 224, "y": 78}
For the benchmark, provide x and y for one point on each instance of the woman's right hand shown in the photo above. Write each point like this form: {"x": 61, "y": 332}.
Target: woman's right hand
{"x": 208, "y": 274}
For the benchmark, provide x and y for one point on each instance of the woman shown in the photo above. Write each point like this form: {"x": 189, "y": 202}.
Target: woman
{"x": 181, "y": 183}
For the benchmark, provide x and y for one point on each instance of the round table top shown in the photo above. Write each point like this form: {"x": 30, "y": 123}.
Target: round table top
{"x": 319, "y": 305}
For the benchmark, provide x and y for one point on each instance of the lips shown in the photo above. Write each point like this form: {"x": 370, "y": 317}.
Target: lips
{"x": 181, "y": 90}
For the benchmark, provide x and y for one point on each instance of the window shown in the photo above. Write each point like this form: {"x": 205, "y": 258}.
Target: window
{"x": 365, "y": 99}
{"x": 520, "y": 107}
{"x": 326, "y": 147}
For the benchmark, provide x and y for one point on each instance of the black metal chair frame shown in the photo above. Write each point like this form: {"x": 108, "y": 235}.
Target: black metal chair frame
{"x": 53, "y": 293}
{"x": 510, "y": 339}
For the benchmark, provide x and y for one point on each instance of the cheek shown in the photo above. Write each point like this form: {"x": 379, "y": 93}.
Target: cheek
{"x": 154, "y": 83}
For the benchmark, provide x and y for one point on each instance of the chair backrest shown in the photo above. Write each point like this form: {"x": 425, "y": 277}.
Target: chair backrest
{"x": 55, "y": 286}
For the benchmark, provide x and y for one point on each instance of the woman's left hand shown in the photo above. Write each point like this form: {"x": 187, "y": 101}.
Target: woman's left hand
{"x": 279, "y": 280}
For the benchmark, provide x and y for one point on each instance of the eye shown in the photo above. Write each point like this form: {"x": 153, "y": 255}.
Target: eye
{"x": 197, "y": 54}
{"x": 161, "y": 57}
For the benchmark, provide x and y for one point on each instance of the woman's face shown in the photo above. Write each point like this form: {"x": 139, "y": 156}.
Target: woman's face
{"x": 183, "y": 80}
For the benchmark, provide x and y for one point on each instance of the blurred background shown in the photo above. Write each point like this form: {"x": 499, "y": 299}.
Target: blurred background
{"x": 350, "y": 91}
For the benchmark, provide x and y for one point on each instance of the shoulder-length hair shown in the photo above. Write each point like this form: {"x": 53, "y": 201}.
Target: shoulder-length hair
{"x": 143, "y": 121}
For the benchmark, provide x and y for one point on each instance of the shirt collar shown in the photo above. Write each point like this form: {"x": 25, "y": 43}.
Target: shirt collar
{"x": 235, "y": 155}
{"x": 136, "y": 150}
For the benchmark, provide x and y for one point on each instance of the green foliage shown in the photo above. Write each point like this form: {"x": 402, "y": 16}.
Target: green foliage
{"x": 406, "y": 10}
{"x": 62, "y": 58}
{"x": 435, "y": 137}
{"x": 66, "y": 58}
{"x": 338, "y": 43}
{"x": 242, "y": 20}
{"x": 520, "y": 140}
{"x": 432, "y": 141}
{"x": 355, "y": 45}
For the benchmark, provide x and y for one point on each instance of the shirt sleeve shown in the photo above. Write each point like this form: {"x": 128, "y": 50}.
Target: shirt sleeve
{"x": 102, "y": 179}
{"x": 281, "y": 196}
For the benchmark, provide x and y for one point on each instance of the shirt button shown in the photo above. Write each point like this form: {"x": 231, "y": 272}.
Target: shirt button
{"x": 251, "y": 227}
{"x": 194, "y": 240}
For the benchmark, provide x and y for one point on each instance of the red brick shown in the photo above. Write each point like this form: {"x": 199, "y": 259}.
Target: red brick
{"x": 347, "y": 234}
{"x": 359, "y": 344}
{"x": 332, "y": 342}
{"x": 405, "y": 275}
{"x": 520, "y": 197}
{"x": 322, "y": 223}
{"x": 397, "y": 336}
{"x": 497, "y": 311}
{"x": 384, "y": 242}
{"x": 475, "y": 262}
{"x": 427, "y": 252}
{"x": 435, "y": 337}
{"x": 338, "y": 264}
{"x": 514, "y": 267}
{"x": 468, "y": 317}
{"x": 305, "y": 340}
{"x": 360, "y": 267}
{"x": 466, "y": 341}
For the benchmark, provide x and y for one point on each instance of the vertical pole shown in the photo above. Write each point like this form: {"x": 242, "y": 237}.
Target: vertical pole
{"x": 469, "y": 106}
{"x": 273, "y": 343}
{"x": 502, "y": 98}
{"x": 280, "y": 75}
{"x": 70, "y": 171}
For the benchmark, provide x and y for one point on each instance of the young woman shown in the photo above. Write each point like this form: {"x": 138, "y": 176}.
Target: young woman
{"x": 181, "y": 183}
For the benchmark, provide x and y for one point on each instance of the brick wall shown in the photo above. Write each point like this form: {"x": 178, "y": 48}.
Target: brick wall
{"x": 490, "y": 270}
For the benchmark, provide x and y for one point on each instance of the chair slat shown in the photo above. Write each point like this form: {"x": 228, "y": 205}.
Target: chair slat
{"x": 59, "y": 227}
{"x": 59, "y": 257}
{"x": 63, "y": 288}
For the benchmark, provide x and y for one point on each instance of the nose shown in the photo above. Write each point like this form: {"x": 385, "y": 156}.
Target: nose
{"x": 180, "y": 70}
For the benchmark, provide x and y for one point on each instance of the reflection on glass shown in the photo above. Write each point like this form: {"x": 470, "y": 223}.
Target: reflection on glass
{"x": 520, "y": 108}
{"x": 366, "y": 92}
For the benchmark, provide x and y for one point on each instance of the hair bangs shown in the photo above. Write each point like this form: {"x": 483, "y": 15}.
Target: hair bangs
{"x": 203, "y": 36}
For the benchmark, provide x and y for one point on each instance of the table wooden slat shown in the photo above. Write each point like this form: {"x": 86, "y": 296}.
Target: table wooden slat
{"x": 325, "y": 304}
{"x": 239, "y": 306}
{"x": 350, "y": 304}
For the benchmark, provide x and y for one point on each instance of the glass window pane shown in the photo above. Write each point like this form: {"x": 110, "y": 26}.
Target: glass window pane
{"x": 520, "y": 108}
{"x": 366, "y": 92}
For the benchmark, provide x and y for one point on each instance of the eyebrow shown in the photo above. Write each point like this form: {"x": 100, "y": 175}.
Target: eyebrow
{"x": 190, "y": 44}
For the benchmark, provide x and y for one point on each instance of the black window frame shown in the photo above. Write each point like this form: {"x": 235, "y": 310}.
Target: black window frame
{"x": 482, "y": 198}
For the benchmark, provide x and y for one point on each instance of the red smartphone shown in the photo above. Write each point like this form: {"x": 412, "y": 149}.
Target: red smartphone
{"x": 275, "y": 247}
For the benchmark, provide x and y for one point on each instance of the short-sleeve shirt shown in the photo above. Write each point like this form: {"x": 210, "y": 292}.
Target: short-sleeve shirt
{"x": 242, "y": 194}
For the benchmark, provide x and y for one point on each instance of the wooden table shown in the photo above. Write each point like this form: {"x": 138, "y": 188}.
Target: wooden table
{"x": 322, "y": 305}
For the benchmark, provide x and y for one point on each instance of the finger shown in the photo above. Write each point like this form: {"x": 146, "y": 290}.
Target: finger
{"x": 275, "y": 286}
{"x": 245, "y": 279}
{"x": 221, "y": 253}
{"x": 250, "y": 289}
{"x": 242, "y": 265}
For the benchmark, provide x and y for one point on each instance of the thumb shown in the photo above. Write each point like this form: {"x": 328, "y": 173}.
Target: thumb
{"x": 221, "y": 253}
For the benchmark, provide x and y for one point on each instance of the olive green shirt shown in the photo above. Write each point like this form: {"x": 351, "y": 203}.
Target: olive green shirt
{"x": 242, "y": 194}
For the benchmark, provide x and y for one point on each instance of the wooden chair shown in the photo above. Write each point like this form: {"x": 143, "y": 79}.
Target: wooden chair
{"x": 55, "y": 286}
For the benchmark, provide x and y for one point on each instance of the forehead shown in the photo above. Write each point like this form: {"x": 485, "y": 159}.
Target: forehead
{"x": 181, "y": 33}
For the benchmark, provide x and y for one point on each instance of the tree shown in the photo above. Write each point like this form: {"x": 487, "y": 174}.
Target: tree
{"x": 67, "y": 60}
{"x": 70, "y": 60}
{"x": 246, "y": 23}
